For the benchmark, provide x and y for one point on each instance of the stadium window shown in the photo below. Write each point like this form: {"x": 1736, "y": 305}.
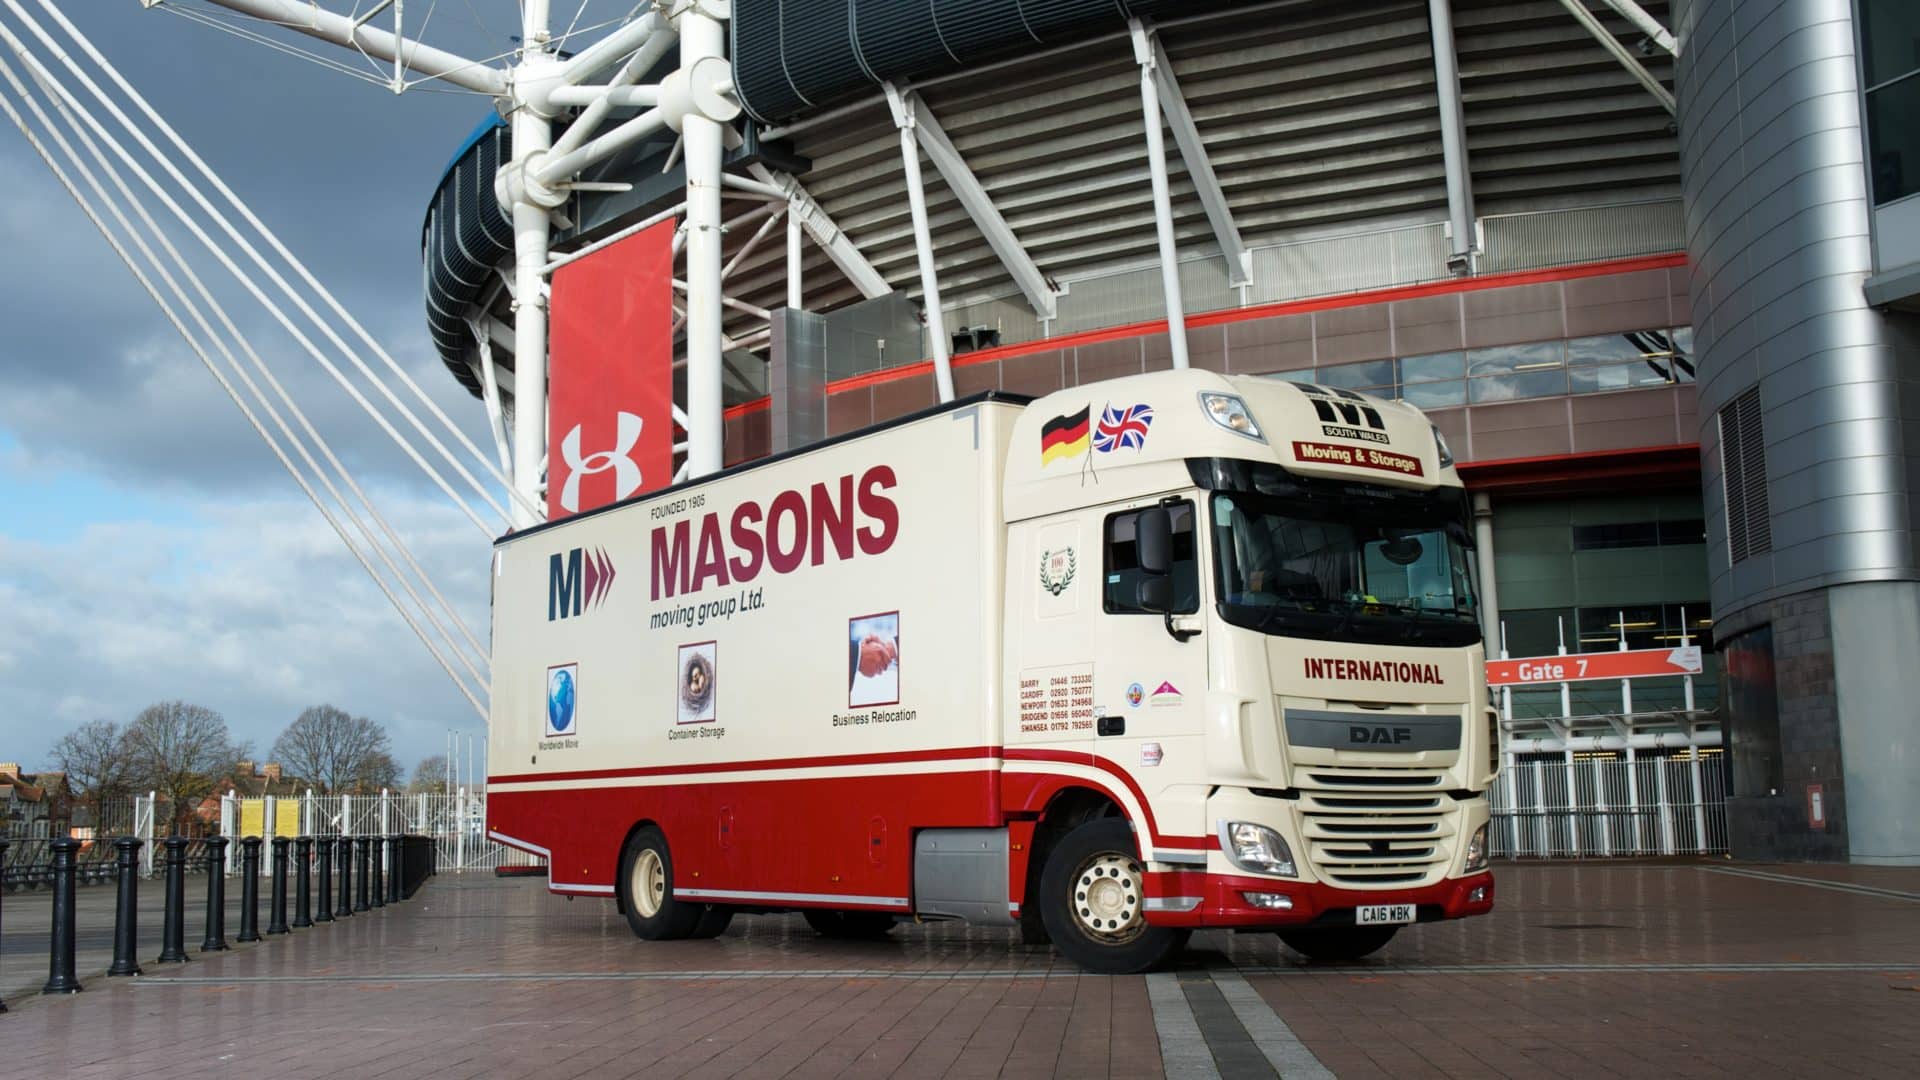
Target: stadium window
{"x": 1890, "y": 64}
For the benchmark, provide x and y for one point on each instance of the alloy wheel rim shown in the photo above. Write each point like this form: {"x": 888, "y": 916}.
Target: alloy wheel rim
{"x": 649, "y": 884}
{"x": 1106, "y": 900}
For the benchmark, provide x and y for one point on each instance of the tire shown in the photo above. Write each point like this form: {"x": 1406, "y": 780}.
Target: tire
{"x": 713, "y": 922}
{"x": 1093, "y": 904}
{"x": 1334, "y": 944}
{"x": 849, "y": 924}
{"x": 646, "y": 890}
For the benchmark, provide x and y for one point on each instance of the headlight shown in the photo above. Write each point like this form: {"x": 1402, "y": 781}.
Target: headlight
{"x": 1231, "y": 413}
{"x": 1446, "y": 452}
{"x": 1258, "y": 848}
{"x": 1477, "y": 851}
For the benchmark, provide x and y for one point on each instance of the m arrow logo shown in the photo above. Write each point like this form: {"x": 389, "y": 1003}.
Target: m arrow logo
{"x": 576, "y": 581}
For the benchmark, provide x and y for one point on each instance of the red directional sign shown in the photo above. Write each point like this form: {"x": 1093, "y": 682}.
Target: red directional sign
{"x": 1582, "y": 667}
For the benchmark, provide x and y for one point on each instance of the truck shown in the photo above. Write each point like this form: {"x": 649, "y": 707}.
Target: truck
{"x": 1174, "y": 651}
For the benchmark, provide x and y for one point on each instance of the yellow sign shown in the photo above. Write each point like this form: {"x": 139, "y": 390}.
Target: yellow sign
{"x": 253, "y": 817}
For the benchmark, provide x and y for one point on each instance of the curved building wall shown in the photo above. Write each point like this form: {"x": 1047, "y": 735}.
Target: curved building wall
{"x": 1810, "y": 423}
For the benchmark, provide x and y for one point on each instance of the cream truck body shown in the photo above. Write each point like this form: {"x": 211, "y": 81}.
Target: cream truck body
{"x": 1011, "y": 662}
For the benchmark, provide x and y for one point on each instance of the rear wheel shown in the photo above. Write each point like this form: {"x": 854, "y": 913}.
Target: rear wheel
{"x": 646, "y": 890}
{"x": 1336, "y": 943}
{"x": 1093, "y": 902}
{"x": 849, "y": 924}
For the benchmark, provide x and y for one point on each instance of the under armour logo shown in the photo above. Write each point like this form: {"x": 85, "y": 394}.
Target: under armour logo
{"x": 626, "y": 471}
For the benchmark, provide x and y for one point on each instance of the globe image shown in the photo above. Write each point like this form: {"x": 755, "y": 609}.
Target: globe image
{"x": 560, "y": 700}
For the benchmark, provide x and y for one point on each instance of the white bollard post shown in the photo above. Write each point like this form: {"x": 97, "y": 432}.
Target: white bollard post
{"x": 1699, "y": 804}
{"x": 229, "y": 809}
{"x": 1635, "y": 810}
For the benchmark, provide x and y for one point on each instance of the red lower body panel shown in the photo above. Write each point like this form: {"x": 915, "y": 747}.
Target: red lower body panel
{"x": 841, "y": 841}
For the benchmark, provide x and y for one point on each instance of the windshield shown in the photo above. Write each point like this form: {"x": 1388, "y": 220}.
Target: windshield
{"x": 1347, "y": 562}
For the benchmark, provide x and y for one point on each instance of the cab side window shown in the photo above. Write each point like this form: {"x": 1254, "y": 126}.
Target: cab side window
{"x": 1123, "y": 575}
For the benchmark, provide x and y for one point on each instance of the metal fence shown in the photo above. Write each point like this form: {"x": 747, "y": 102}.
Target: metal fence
{"x": 1592, "y": 807}
{"x": 457, "y": 823}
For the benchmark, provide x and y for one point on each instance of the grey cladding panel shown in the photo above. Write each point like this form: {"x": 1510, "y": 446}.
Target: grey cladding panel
{"x": 1799, "y": 372}
{"x": 962, "y": 873}
{"x": 1372, "y": 731}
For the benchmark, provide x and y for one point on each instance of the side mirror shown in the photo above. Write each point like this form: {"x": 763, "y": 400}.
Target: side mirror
{"x": 1153, "y": 542}
{"x": 1154, "y": 594}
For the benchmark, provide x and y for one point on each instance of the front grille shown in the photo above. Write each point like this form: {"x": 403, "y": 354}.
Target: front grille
{"x": 1376, "y": 828}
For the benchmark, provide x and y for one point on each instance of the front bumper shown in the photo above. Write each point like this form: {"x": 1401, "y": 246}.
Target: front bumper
{"x": 1196, "y": 899}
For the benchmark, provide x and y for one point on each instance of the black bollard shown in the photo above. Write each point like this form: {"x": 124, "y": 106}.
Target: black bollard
{"x": 323, "y": 857}
{"x": 360, "y": 846}
{"x": 302, "y": 901}
{"x": 396, "y": 865}
{"x": 126, "y": 912}
{"x": 378, "y": 884}
{"x": 173, "y": 925}
{"x": 60, "y": 977}
{"x": 277, "y": 910}
{"x": 249, "y": 889}
{"x": 345, "y": 908}
{"x": 216, "y": 939}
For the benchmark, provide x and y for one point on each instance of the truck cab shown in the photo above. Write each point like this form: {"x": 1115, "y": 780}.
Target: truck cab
{"x": 1243, "y": 669}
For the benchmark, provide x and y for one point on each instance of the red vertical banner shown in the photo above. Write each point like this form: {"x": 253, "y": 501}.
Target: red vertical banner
{"x": 610, "y": 374}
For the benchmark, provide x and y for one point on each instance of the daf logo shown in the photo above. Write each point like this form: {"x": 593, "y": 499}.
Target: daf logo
{"x": 1369, "y": 735}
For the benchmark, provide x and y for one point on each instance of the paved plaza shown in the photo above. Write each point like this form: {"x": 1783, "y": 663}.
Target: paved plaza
{"x": 1671, "y": 969}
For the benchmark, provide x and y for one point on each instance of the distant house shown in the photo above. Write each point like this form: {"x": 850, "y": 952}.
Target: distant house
{"x": 34, "y": 806}
{"x": 251, "y": 782}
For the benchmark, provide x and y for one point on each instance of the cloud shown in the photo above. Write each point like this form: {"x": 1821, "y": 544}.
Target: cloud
{"x": 341, "y": 171}
{"x": 254, "y": 608}
{"x": 150, "y": 547}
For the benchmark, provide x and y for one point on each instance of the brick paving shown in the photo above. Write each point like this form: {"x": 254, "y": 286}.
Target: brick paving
{"x": 1583, "y": 970}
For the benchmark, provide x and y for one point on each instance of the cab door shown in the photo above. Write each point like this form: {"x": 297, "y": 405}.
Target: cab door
{"x": 1053, "y": 581}
{"x": 1152, "y": 683}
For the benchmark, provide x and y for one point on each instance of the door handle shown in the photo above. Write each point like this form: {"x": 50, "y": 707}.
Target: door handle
{"x": 1112, "y": 725}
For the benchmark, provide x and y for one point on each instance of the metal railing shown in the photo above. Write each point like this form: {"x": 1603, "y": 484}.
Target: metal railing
{"x": 1593, "y": 808}
{"x": 456, "y": 822}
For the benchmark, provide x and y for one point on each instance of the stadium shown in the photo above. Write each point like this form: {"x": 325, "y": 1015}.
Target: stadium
{"x": 1603, "y": 270}
{"x": 1649, "y": 269}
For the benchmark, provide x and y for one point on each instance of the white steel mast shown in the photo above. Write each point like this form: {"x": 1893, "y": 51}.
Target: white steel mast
{"x": 696, "y": 100}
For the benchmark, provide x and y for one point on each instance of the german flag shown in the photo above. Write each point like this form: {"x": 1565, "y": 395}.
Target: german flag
{"x": 1063, "y": 437}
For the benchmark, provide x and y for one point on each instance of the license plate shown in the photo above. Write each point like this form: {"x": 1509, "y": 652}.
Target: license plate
{"x": 1383, "y": 914}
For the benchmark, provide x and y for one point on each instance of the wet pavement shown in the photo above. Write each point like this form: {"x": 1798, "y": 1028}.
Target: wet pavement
{"x": 1595, "y": 969}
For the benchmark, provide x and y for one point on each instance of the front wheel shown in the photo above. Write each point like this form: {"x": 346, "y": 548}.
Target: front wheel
{"x": 646, "y": 890}
{"x": 1093, "y": 902}
{"x": 1338, "y": 942}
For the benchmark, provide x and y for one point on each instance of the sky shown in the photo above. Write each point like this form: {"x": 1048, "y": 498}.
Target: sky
{"x": 151, "y": 548}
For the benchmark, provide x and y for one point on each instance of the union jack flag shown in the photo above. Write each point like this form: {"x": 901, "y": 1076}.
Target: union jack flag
{"x": 1122, "y": 428}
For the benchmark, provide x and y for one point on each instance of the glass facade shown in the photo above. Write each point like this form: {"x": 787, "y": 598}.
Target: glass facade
{"x": 1589, "y": 365}
{"x": 1591, "y": 571}
{"x": 1890, "y": 66}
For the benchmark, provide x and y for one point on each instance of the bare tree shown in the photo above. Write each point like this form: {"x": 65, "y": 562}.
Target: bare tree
{"x": 180, "y": 751}
{"x": 379, "y": 772}
{"x": 430, "y": 776}
{"x": 95, "y": 758}
{"x": 336, "y": 752}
